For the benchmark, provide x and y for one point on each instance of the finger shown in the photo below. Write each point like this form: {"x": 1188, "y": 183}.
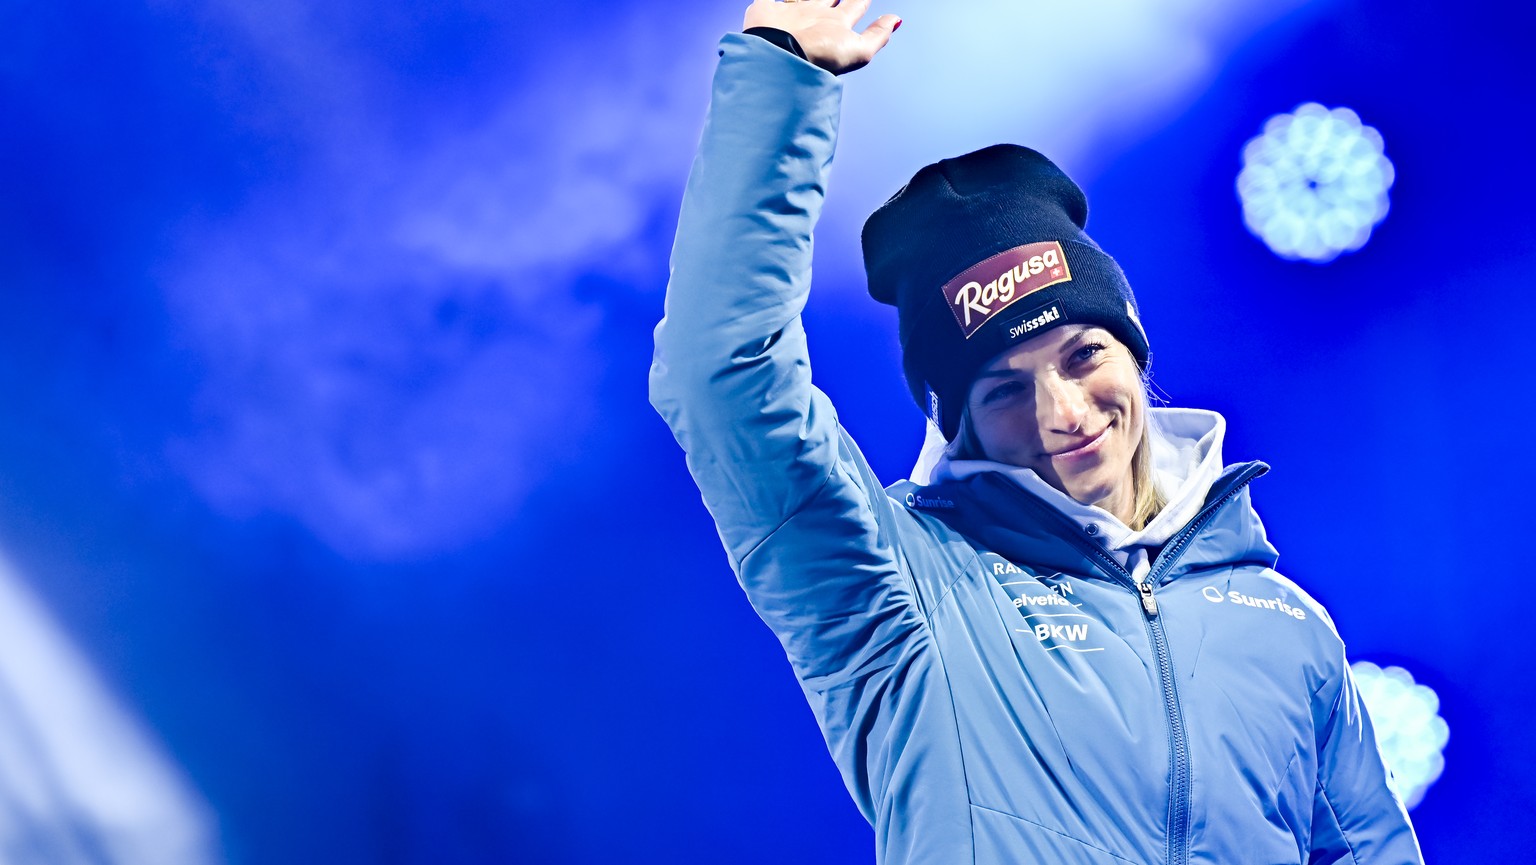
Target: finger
{"x": 758, "y": 14}
{"x": 853, "y": 10}
{"x": 878, "y": 33}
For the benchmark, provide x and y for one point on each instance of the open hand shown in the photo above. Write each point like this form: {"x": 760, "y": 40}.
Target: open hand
{"x": 824, "y": 29}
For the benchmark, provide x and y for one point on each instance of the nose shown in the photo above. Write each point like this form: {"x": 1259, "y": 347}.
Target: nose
{"x": 1061, "y": 403}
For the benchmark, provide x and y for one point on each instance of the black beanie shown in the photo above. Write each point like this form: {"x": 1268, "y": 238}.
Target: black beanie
{"x": 980, "y": 252}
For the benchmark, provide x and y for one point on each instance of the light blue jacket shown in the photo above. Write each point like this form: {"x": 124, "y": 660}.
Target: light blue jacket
{"x": 992, "y": 685}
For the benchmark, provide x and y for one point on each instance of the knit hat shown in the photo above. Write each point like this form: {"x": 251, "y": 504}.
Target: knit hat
{"x": 981, "y": 252}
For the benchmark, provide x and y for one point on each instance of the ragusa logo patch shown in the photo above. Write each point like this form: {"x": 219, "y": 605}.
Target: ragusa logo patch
{"x": 986, "y": 289}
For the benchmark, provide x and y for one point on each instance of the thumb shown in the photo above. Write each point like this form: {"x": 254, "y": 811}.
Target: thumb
{"x": 878, "y": 33}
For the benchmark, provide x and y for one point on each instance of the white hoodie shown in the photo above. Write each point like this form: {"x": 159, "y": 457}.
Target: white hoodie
{"x": 1186, "y": 460}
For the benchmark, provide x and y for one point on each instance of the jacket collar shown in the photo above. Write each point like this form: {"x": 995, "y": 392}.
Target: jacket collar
{"x": 998, "y": 514}
{"x": 1186, "y": 461}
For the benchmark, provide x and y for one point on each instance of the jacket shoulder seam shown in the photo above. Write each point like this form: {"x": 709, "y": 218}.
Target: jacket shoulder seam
{"x": 954, "y": 714}
{"x": 1322, "y": 789}
{"x": 960, "y": 572}
{"x": 790, "y": 514}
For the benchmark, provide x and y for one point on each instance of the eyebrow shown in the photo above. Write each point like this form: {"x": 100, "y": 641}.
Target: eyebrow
{"x": 1066, "y": 346}
{"x": 999, "y": 373}
{"x": 1081, "y": 335}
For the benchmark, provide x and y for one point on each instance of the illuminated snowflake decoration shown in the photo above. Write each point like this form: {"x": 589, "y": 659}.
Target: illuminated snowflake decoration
{"x": 1409, "y": 728}
{"x": 1314, "y": 183}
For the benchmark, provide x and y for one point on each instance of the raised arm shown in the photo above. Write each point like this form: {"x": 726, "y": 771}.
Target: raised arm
{"x": 731, "y": 374}
{"x": 797, "y": 508}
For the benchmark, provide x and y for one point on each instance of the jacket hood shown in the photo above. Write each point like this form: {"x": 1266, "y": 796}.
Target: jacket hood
{"x": 1186, "y": 460}
{"x": 1187, "y": 469}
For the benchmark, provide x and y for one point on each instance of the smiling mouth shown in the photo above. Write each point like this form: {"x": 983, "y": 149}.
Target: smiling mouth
{"x": 1083, "y": 449}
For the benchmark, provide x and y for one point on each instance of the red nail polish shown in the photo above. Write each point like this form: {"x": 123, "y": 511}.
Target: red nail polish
{"x": 897, "y": 27}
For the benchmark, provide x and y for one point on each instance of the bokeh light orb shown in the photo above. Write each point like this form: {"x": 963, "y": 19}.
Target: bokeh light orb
{"x": 1409, "y": 729}
{"x": 1314, "y": 183}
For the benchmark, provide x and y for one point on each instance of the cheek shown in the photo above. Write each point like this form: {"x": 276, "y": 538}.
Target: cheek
{"x": 1005, "y": 435}
{"x": 1119, "y": 390}
{"x": 1132, "y": 412}
{"x": 1131, "y": 409}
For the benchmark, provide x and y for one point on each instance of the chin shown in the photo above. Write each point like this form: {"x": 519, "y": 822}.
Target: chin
{"x": 1088, "y": 492}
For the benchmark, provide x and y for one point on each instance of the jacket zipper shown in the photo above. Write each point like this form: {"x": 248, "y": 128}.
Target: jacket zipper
{"x": 1178, "y": 800}
{"x": 1178, "y": 741}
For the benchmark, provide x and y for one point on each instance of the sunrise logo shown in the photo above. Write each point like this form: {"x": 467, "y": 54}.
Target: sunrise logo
{"x": 1314, "y": 183}
{"x": 1409, "y": 729}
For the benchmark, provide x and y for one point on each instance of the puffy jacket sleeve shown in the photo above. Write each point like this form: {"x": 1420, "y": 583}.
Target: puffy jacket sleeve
{"x": 1356, "y": 818}
{"x": 802, "y": 517}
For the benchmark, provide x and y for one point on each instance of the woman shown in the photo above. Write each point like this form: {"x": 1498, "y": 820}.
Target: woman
{"x": 1067, "y": 645}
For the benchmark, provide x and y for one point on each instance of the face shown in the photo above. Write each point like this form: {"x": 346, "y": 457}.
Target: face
{"x": 1067, "y": 403}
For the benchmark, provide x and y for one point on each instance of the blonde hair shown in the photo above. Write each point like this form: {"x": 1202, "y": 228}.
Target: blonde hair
{"x": 1148, "y": 501}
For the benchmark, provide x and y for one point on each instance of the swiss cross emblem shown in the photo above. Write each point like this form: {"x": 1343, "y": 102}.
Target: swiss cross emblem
{"x": 1055, "y": 271}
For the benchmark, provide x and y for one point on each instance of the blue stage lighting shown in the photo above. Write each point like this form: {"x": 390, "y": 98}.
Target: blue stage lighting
{"x": 1314, "y": 183}
{"x": 1409, "y": 729}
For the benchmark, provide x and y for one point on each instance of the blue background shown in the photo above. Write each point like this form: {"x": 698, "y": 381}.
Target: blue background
{"x": 325, "y": 435}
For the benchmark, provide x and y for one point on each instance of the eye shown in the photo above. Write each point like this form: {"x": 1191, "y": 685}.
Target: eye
{"x": 1002, "y": 391}
{"x": 1087, "y": 352}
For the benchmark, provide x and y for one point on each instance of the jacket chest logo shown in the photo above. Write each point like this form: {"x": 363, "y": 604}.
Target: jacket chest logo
{"x": 1234, "y": 598}
{"x": 1050, "y": 614}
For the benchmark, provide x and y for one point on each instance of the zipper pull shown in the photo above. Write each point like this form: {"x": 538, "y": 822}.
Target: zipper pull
{"x": 1148, "y": 603}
